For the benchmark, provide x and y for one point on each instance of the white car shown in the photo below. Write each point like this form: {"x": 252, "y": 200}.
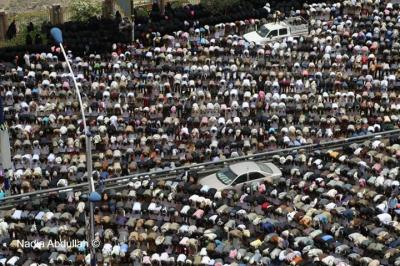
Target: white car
{"x": 236, "y": 175}
{"x": 270, "y": 32}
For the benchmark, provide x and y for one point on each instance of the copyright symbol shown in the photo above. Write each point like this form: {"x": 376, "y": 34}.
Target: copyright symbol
{"x": 96, "y": 243}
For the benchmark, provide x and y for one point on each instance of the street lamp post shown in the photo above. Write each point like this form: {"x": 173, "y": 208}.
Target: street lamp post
{"x": 93, "y": 195}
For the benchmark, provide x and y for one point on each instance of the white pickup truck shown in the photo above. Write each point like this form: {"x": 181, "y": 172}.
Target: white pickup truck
{"x": 292, "y": 27}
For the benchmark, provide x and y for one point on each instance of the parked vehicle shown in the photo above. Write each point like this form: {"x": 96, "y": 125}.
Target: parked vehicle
{"x": 292, "y": 27}
{"x": 236, "y": 175}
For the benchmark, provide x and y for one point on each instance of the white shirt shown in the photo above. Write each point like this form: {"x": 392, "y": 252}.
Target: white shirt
{"x": 107, "y": 249}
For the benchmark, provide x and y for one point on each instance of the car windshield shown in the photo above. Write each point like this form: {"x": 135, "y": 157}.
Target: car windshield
{"x": 226, "y": 176}
{"x": 263, "y": 31}
{"x": 265, "y": 168}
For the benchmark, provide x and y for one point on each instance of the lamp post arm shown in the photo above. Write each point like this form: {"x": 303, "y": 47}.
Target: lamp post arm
{"x": 87, "y": 133}
{"x": 94, "y": 196}
{"x": 76, "y": 88}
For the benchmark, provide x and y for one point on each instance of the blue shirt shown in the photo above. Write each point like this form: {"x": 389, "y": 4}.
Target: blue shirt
{"x": 82, "y": 246}
{"x": 124, "y": 247}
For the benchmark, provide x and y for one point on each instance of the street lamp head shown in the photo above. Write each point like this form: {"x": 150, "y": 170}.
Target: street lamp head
{"x": 57, "y": 35}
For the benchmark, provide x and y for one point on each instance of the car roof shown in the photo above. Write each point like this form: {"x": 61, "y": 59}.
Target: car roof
{"x": 275, "y": 26}
{"x": 244, "y": 167}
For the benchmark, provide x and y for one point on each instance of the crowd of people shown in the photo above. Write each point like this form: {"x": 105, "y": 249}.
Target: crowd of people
{"x": 329, "y": 208}
{"x": 200, "y": 95}
{"x": 205, "y": 94}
